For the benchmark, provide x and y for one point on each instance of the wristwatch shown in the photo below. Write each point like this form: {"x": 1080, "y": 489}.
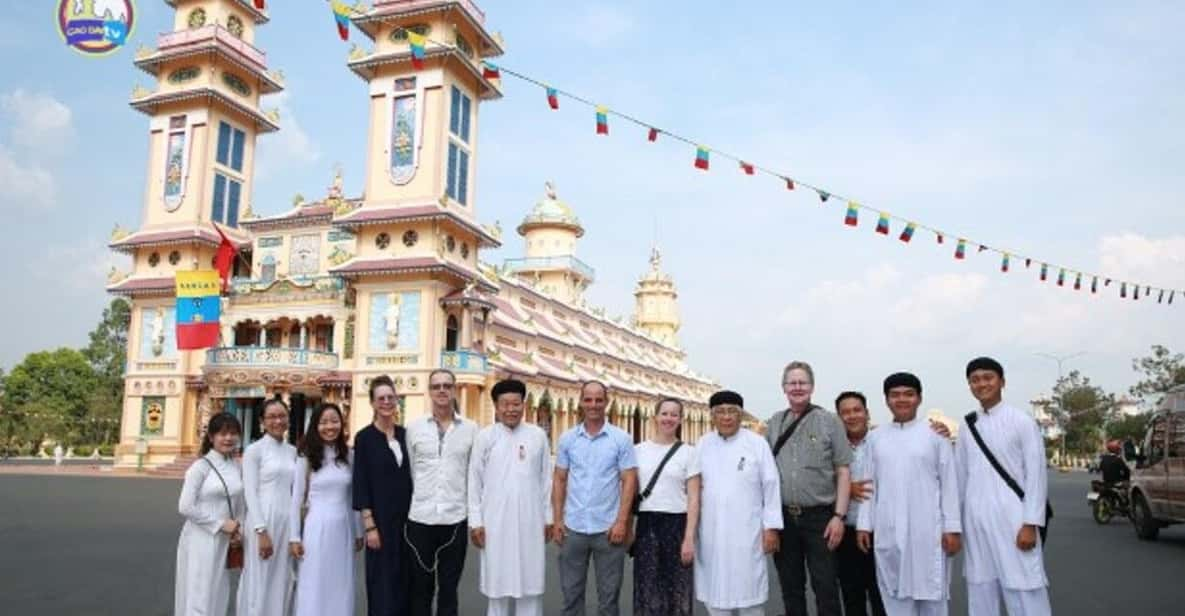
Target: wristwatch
{"x": 843, "y": 517}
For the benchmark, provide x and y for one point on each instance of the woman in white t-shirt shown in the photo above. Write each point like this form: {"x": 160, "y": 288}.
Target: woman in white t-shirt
{"x": 664, "y": 548}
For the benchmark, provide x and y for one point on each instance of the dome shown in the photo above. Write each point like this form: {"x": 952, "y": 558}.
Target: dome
{"x": 551, "y": 212}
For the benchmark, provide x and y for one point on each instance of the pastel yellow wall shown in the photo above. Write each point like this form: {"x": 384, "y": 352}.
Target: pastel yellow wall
{"x": 549, "y": 242}
{"x": 216, "y": 11}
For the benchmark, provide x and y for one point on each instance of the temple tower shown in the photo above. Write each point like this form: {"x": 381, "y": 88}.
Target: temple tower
{"x": 416, "y": 270}
{"x": 656, "y": 310}
{"x": 204, "y": 117}
{"x": 551, "y": 231}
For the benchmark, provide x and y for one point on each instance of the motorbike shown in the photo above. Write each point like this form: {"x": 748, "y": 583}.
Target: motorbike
{"x": 1107, "y": 502}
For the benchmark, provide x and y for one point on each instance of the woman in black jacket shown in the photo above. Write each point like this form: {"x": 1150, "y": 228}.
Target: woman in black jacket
{"x": 382, "y": 492}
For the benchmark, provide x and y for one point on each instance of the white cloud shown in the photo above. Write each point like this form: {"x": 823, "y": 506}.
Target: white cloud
{"x": 290, "y": 147}
{"x": 599, "y": 25}
{"x": 25, "y": 185}
{"x": 1158, "y": 262}
{"x": 40, "y": 122}
{"x": 76, "y": 268}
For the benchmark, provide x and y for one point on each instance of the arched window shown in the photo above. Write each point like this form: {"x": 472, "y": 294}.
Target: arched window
{"x": 452, "y": 331}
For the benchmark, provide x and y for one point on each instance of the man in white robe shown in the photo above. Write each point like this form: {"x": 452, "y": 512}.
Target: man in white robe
{"x": 1004, "y": 554}
{"x": 740, "y": 514}
{"x": 914, "y": 511}
{"x": 510, "y": 505}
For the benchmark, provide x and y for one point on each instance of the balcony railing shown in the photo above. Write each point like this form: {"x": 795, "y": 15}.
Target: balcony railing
{"x": 253, "y": 357}
{"x": 568, "y": 262}
{"x": 469, "y": 5}
{"x": 212, "y": 31}
{"x": 463, "y": 361}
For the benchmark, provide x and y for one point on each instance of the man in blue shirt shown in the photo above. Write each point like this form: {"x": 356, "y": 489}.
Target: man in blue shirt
{"x": 596, "y": 478}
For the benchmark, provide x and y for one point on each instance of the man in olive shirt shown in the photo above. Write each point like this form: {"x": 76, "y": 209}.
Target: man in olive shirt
{"x": 813, "y": 464}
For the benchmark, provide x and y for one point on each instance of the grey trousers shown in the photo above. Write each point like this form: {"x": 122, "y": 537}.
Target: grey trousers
{"x": 609, "y": 561}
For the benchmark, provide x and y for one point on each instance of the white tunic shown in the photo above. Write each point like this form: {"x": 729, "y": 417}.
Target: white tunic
{"x": 325, "y": 576}
{"x": 265, "y": 588}
{"x": 992, "y": 513}
{"x": 510, "y": 497}
{"x": 202, "y": 585}
{"x": 915, "y": 500}
{"x": 740, "y": 498}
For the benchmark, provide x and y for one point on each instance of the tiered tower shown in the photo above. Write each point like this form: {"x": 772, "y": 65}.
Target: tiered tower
{"x": 416, "y": 269}
{"x": 204, "y": 117}
{"x": 657, "y": 309}
{"x": 550, "y": 265}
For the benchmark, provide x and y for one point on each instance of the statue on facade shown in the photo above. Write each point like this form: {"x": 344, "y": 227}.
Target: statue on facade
{"x": 158, "y": 332}
{"x": 391, "y": 317}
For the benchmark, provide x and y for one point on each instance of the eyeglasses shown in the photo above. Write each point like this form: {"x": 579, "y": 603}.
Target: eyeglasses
{"x": 440, "y": 386}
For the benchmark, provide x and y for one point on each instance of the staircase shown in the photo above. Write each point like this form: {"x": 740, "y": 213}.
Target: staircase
{"x": 176, "y": 468}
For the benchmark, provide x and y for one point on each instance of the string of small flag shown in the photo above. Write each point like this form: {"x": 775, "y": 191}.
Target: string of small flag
{"x": 704, "y": 154}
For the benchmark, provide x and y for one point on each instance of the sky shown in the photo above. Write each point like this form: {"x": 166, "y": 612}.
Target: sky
{"x": 1052, "y": 129}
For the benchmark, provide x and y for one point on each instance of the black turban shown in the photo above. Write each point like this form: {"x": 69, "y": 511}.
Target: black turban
{"x": 985, "y": 363}
{"x": 903, "y": 379}
{"x": 508, "y": 386}
{"x": 726, "y": 397}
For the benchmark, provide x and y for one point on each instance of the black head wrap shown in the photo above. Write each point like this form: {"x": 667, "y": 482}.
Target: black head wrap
{"x": 508, "y": 386}
{"x": 903, "y": 379}
{"x": 985, "y": 363}
{"x": 726, "y": 397}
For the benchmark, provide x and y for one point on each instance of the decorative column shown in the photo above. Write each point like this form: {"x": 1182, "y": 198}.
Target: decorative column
{"x": 304, "y": 335}
{"x": 466, "y": 328}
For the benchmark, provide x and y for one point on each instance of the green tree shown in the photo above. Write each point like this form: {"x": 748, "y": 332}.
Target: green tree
{"x": 1162, "y": 370}
{"x": 107, "y": 354}
{"x": 1082, "y": 411}
{"x": 1128, "y": 426}
{"x": 50, "y": 392}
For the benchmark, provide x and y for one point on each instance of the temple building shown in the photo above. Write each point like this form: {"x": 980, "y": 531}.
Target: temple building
{"x": 338, "y": 290}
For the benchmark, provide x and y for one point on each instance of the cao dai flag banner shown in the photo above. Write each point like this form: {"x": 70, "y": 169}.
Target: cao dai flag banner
{"x": 882, "y": 224}
{"x": 701, "y": 158}
{"x": 341, "y": 15}
{"x": 417, "y": 42}
{"x": 602, "y": 120}
{"x": 852, "y": 217}
{"x": 553, "y": 98}
{"x": 197, "y": 309}
{"x": 907, "y": 233}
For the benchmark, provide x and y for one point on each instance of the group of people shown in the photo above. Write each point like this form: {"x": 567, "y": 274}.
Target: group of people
{"x": 873, "y": 516}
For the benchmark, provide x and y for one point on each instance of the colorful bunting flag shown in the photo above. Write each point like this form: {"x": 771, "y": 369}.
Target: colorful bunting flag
{"x": 1061, "y": 277}
{"x": 823, "y": 195}
{"x": 602, "y": 120}
{"x": 198, "y": 307}
{"x": 341, "y": 15}
{"x": 1094, "y": 285}
{"x": 747, "y": 168}
{"x": 1078, "y": 282}
{"x": 701, "y": 158}
{"x": 882, "y": 224}
{"x": 1136, "y": 292}
{"x": 939, "y": 237}
{"x": 1160, "y": 299}
{"x": 907, "y": 233}
{"x": 1123, "y": 289}
{"x": 1172, "y": 294}
{"x": 789, "y": 184}
{"x": 961, "y": 249}
{"x": 490, "y": 71}
{"x": 653, "y": 136}
{"x": 982, "y": 248}
{"x": 1044, "y": 272}
{"x": 1004, "y": 264}
{"x": 852, "y": 217}
{"x": 1028, "y": 262}
{"x": 1147, "y": 290}
{"x": 417, "y": 42}
{"x": 1107, "y": 282}
{"x": 553, "y": 98}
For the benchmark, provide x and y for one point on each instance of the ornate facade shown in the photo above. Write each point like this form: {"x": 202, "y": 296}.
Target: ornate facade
{"x": 337, "y": 291}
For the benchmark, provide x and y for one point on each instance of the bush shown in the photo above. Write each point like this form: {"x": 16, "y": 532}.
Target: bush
{"x": 107, "y": 450}
{"x": 83, "y": 451}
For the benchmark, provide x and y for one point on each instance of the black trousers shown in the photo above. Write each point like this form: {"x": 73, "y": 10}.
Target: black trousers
{"x": 436, "y": 558}
{"x": 857, "y": 578}
{"x": 803, "y": 547}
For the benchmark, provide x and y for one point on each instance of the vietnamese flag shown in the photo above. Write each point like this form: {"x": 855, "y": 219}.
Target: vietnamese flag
{"x": 198, "y": 307}
{"x": 225, "y": 257}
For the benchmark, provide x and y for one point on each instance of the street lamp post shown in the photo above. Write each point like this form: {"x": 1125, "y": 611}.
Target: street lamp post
{"x": 1061, "y": 359}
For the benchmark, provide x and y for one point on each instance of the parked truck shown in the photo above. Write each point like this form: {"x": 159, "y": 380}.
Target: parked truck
{"x": 1158, "y": 484}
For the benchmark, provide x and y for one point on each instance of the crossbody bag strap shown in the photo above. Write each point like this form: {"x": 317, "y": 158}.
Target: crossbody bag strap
{"x": 225, "y": 490}
{"x": 658, "y": 471}
{"x": 788, "y": 432}
{"x": 991, "y": 458}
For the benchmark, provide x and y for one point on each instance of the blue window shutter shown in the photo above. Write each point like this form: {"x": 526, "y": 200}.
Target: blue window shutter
{"x": 463, "y": 177}
{"x": 452, "y": 170}
{"x": 454, "y": 116}
{"x": 219, "y": 197}
{"x": 232, "y": 203}
{"x": 236, "y": 151}
{"x": 465, "y": 103}
{"x": 223, "y": 154}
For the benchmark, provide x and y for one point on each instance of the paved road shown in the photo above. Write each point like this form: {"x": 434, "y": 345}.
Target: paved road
{"x": 105, "y": 545}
